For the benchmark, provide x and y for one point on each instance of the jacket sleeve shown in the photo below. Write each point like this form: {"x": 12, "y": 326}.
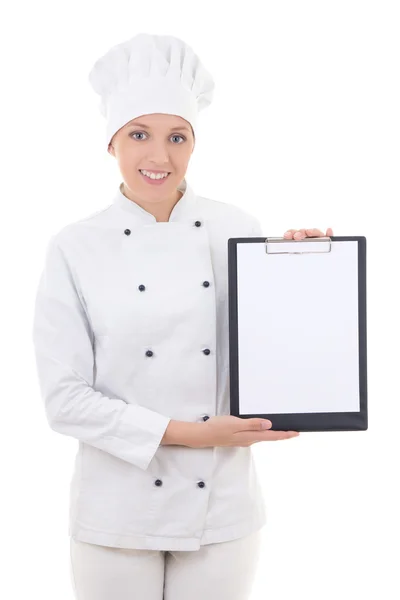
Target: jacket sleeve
{"x": 62, "y": 339}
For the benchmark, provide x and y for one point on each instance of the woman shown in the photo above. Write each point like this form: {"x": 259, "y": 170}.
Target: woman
{"x": 131, "y": 342}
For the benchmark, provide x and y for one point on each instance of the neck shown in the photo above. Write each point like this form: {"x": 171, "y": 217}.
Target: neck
{"x": 161, "y": 210}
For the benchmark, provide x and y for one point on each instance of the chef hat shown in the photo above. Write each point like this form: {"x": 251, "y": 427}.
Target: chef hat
{"x": 150, "y": 74}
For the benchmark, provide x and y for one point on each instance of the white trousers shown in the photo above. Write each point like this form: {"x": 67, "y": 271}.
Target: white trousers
{"x": 220, "y": 571}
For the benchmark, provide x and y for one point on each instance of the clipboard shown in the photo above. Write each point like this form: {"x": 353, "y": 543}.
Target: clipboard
{"x": 298, "y": 332}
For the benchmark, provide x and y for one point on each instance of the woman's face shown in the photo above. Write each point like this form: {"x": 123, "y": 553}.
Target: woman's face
{"x": 154, "y": 142}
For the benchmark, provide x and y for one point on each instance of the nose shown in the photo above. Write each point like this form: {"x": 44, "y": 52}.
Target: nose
{"x": 158, "y": 155}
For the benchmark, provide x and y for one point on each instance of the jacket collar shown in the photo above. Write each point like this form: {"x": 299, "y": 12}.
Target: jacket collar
{"x": 182, "y": 211}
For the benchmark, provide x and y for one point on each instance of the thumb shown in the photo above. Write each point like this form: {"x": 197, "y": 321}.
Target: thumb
{"x": 257, "y": 424}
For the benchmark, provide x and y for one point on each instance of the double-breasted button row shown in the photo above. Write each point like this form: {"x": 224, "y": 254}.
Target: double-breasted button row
{"x": 128, "y": 231}
{"x": 205, "y": 351}
{"x": 200, "y": 484}
{"x": 142, "y": 287}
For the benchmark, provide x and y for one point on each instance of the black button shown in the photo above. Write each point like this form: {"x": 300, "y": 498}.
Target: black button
{"x": 207, "y": 351}
{"x": 149, "y": 353}
{"x": 198, "y": 223}
{"x": 142, "y": 287}
{"x": 206, "y": 283}
{"x": 205, "y": 418}
{"x": 158, "y": 482}
{"x": 201, "y": 484}
{"x": 127, "y": 232}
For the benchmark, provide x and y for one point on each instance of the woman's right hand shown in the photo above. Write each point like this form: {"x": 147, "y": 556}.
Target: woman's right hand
{"x": 227, "y": 430}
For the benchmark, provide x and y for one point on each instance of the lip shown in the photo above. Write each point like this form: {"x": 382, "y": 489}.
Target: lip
{"x": 150, "y": 181}
{"x": 154, "y": 170}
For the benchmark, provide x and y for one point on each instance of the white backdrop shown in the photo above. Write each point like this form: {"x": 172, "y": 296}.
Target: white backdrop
{"x": 303, "y": 131}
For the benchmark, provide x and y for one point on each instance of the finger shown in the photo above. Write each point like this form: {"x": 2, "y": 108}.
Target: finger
{"x": 329, "y": 231}
{"x": 261, "y": 436}
{"x": 289, "y": 234}
{"x": 300, "y": 234}
{"x": 280, "y": 435}
{"x": 314, "y": 233}
{"x": 303, "y": 233}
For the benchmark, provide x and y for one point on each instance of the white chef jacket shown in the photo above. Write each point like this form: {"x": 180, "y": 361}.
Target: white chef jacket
{"x": 130, "y": 331}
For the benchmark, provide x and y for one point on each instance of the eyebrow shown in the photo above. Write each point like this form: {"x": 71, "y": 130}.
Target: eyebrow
{"x": 147, "y": 127}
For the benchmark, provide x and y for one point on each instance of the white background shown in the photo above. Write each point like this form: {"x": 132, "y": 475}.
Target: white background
{"x": 303, "y": 131}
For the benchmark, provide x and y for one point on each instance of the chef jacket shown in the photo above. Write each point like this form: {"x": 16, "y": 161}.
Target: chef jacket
{"x": 130, "y": 331}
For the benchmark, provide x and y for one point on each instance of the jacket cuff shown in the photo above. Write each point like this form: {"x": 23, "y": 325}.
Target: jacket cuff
{"x": 145, "y": 428}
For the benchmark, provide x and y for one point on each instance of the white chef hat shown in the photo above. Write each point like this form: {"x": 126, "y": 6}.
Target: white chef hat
{"x": 150, "y": 74}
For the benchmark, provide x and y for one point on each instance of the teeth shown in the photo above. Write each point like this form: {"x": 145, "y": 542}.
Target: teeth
{"x": 154, "y": 175}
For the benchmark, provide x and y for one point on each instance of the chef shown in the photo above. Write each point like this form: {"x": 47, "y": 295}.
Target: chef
{"x": 131, "y": 343}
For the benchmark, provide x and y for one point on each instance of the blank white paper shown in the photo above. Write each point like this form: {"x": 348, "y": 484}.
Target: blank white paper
{"x": 298, "y": 338}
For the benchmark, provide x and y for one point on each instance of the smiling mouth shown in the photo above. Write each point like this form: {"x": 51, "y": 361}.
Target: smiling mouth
{"x": 155, "y": 173}
{"x": 155, "y": 180}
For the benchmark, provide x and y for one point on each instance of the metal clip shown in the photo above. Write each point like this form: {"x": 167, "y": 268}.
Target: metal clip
{"x": 325, "y": 245}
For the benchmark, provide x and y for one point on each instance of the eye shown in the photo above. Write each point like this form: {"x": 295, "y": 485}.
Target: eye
{"x": 136, "y": 133}
{"x": 179, "y": 136}
{"x": 142, "y": 132}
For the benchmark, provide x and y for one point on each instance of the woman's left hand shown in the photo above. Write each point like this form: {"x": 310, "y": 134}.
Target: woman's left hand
{"x": 300, "y": 234}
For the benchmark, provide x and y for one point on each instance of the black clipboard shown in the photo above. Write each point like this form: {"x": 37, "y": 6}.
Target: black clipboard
{"x": 298, "y": 332}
